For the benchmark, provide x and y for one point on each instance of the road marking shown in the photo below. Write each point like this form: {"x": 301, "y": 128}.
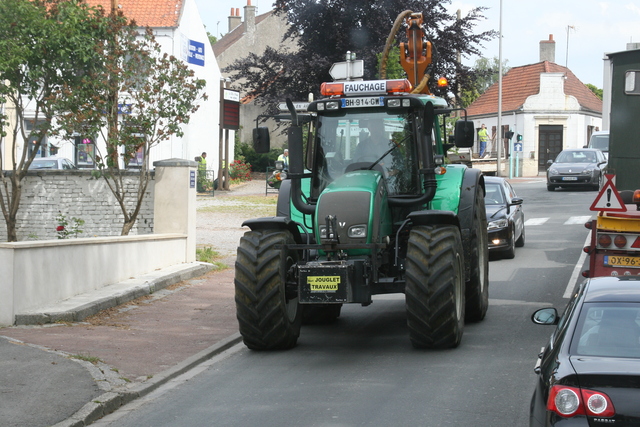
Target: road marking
{"x": 578, "y": 220}
{"x": 576, "y": 270}
{"x": 535, "y": 221}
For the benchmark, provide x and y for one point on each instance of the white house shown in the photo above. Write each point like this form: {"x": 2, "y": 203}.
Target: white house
{"x": 546, "y": 104}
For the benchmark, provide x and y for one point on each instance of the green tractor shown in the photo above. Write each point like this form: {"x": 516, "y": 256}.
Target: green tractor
{"x": 359, "y": 217}
{"x": 370, "y": 206}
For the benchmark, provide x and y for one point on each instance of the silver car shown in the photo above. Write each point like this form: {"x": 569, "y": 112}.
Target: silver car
{"x": 42, "y": 163}
{"x": 576, "y": 167}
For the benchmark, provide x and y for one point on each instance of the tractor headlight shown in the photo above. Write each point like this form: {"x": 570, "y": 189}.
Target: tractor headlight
{"x": 357, "y": 231}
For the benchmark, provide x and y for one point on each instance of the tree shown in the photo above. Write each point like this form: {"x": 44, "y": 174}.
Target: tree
{"x": 326, "y": 30}
{"x": 44, "y": 46}
{"x": 135, "y": 98}
{"x": 597, "y": 91}
{"x": 486, "y": 75}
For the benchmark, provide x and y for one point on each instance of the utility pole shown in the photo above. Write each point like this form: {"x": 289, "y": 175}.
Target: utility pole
{"x": 566, "y": 60}
{"x": 499, "y": 135}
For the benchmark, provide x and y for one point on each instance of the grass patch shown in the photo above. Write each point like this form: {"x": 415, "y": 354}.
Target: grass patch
{"x": 90, "y": 359}
{"x": 207, "y": 254}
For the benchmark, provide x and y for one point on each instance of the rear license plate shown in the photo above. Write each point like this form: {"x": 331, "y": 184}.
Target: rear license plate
{"x": 621, "y": 261}
{"x": 569, "y": 178}
{"x": 374, "y": 101}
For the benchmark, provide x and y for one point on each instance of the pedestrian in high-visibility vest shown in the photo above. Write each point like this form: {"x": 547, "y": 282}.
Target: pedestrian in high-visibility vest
{"x": 284, "y": 158}
{"x": 202, "y": 164}
{"x": 484, "y": 138}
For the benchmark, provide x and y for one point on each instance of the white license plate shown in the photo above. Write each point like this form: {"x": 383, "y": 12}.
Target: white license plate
{"x": 372, "y": 101}
{"x": 569, "y": 178}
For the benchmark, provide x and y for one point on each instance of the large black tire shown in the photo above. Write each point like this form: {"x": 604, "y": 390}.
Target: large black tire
{"x": 435, "y": 287}
{"x": 315, "y": 314}
{"x": 477, "y": 288}
{"x": 268, "y": 317}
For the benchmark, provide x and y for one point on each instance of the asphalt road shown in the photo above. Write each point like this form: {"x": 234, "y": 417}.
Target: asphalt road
{"x": 362, "y": 370}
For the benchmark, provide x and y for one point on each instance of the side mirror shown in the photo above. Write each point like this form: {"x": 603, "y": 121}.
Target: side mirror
{"x": 516, "y": 201}
{"x": 545, "y": 316}
{"x": 549, "y": 163}
{"x": 464, "y": 134}
{"x": 261, "y": 141}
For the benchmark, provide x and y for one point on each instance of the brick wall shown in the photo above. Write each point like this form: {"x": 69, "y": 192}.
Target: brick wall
{"x": 75, "y": 194}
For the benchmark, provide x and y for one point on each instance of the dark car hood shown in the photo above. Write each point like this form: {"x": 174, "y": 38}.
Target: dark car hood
{"x": 617, "y": 377}
{"x": 572, "y": 167}
{"x": 496, "y": 212}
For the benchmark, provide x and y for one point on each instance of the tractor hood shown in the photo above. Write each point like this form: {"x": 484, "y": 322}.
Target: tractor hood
{"x": 355, "y": 207}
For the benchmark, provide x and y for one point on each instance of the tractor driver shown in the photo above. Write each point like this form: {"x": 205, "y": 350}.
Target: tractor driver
{"x": 371, "y": 148}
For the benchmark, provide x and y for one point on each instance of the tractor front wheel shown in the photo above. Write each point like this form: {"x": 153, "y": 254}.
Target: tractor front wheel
{"x": 435, "y": 287}
{"x": 268, "y": 310}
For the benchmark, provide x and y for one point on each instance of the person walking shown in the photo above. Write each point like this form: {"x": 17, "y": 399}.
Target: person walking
{"x": 484, "y": 138}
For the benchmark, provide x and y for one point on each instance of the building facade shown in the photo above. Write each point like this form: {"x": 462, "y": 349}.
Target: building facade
{"x": 544, "y": 103}
{"x": 179, "y": 30}
{"x": 252, "y": 35}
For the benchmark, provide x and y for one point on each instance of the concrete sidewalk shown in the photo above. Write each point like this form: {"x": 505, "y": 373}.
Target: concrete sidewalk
{"x": 109, "y": 347}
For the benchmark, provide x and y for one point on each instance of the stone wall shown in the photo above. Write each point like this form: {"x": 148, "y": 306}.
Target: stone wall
{"x": 76, "y": 194}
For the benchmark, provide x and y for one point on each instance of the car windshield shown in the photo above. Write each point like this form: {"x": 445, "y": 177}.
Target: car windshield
{"x": 367, "y": 140}
{"x": 576, "y": 157}
{"x": 600, "y": 142}
{"x": 611, "y": 330}
{"x": 44, "y": 164}
{"x": 493, "y": 194}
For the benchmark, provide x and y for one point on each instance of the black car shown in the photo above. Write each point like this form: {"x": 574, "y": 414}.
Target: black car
{"x": 576, "y": 167}
{"x": 589, "y": 372}
{"x": 505, "y": 218}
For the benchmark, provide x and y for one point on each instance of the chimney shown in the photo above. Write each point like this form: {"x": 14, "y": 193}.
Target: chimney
{"x": 234, "y": 19}
{"x": 249, "y": 18}
{"x": 548, "y": 50}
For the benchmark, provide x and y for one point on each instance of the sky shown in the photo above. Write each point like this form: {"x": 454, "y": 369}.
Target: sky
{"x": 590, "y": 28}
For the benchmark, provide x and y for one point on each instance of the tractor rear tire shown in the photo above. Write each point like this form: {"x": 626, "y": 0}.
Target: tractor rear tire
{"x": 435, "y": 287}
{"x": 269, "y": 317}
{"x": 477, "y": 288}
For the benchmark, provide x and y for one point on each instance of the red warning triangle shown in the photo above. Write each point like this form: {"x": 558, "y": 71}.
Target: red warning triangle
{"x": 608, "y": 199}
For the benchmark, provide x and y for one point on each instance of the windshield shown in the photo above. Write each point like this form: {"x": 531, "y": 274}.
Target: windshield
{"x": 601, "y": 142}
{"x": 576, "y": 157}
{"x": 367, "y": 140}
{"x": 493, "y": 195}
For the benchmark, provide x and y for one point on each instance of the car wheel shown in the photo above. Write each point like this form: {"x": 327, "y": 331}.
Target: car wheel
{"x": 510, "y": 252}
{"x": 550, "y": 187}
{"x": 520, "y": 241}
{"x": 598, "y": 186}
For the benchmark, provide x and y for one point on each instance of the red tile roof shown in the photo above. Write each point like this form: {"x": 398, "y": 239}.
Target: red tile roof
{"x": 151, "y": 13}
{"x": 234, "y": 35}
{"x": 521, "y": 82}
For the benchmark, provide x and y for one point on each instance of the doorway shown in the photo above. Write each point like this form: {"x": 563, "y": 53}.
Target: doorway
{"x": 549, "y": 144}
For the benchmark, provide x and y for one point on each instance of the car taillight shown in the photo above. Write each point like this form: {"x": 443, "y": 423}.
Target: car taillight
{"x": 571, "y": 401}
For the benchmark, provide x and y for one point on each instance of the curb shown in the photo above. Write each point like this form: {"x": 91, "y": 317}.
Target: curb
{"x": 111, "y": 401}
